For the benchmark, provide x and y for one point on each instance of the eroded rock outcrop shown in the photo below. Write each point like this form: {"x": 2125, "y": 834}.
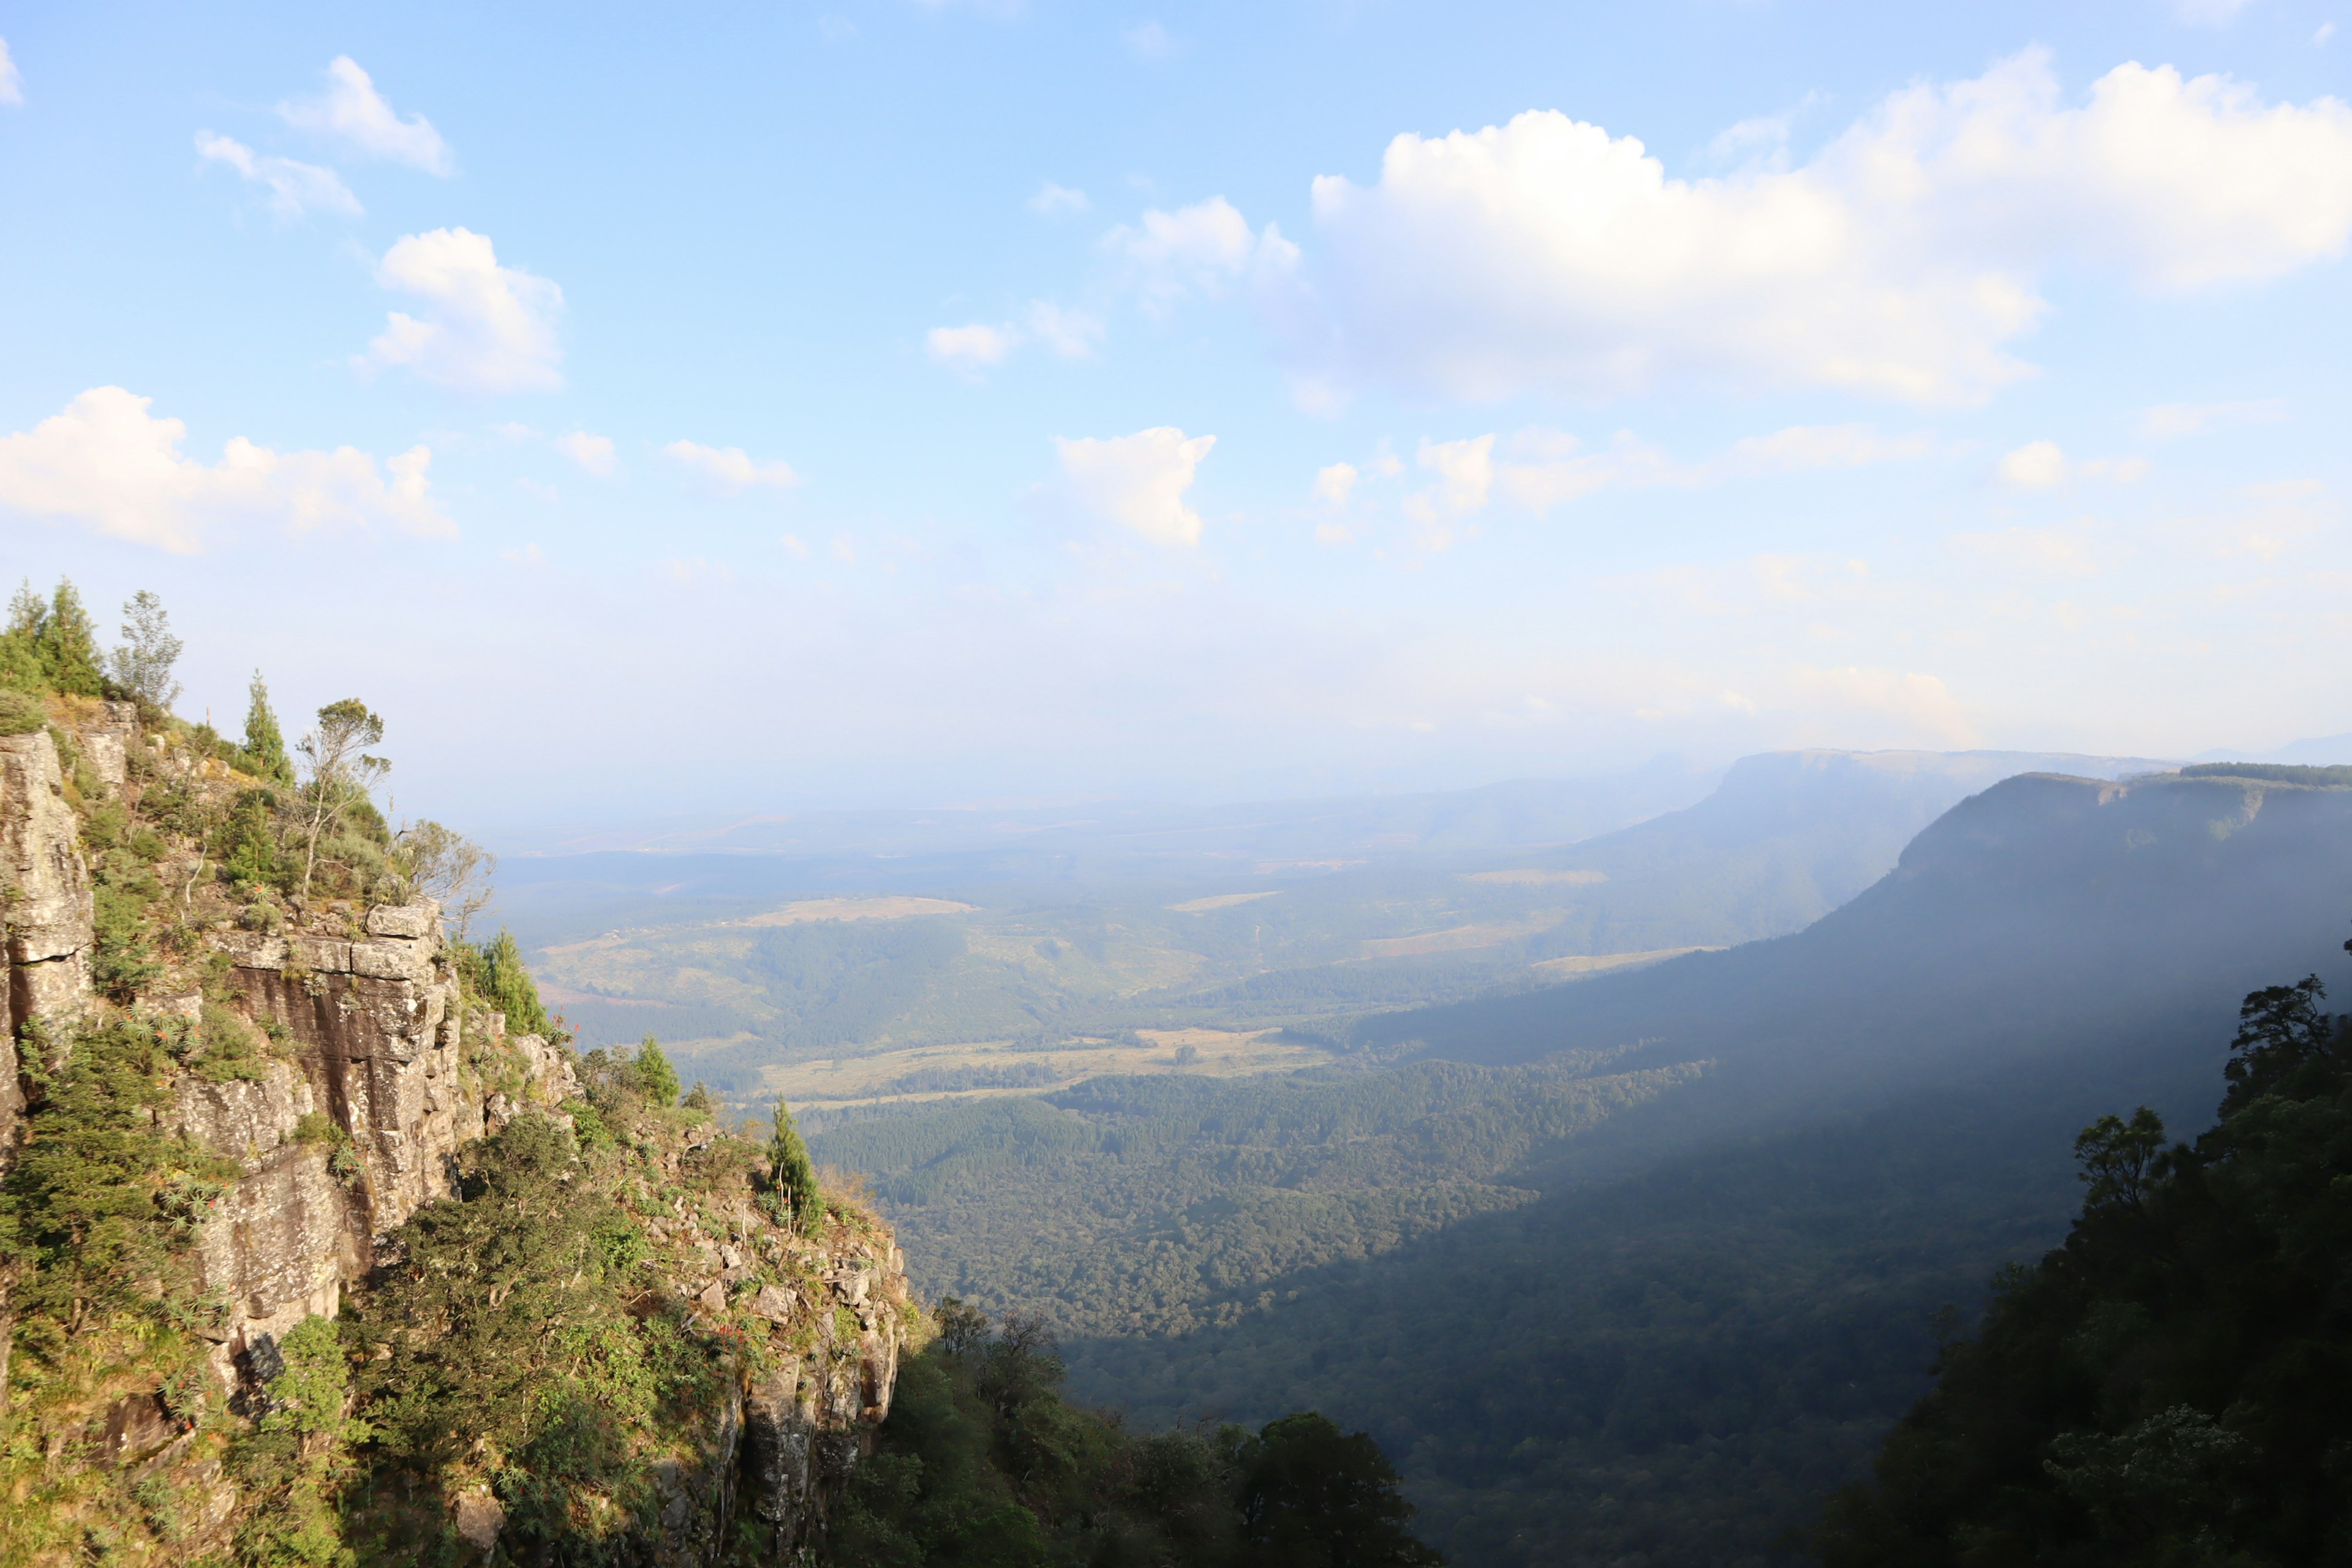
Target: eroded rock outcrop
{"x": 47, "y": 887}
{"x": 367, "y": 1072}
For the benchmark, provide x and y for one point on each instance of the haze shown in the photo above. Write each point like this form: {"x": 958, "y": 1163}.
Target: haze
{"x": 911, "y": 403}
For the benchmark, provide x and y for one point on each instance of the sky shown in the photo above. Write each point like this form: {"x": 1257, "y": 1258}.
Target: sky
{"x": 923, "y": 402}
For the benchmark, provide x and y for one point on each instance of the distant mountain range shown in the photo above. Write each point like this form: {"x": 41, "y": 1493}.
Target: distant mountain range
{"x": 1723, "y": 1293}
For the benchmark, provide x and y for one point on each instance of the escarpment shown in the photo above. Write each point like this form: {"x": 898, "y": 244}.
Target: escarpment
{"x": 323, "y": 1086}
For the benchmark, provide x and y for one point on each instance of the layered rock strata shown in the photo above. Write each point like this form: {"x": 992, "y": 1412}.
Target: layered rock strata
{"x": 375, "y": 1080}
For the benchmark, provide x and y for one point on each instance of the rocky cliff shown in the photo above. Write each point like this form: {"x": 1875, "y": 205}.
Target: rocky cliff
{"x": 346, "y": 1070}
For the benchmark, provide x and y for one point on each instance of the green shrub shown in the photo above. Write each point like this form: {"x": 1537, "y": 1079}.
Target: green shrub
{"x": 657, "y": 1079}
{"x": 21, "y": 713}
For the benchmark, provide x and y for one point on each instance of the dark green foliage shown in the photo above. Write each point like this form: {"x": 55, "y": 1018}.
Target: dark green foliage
{"x": 21, "y": 713}
{"x": 1166, "y": 1203}
{"x": 246, "y": 844}
{"x": 496, "y": 973}
{"x": 2272, "y": 772}
{"x": 122, "y": 958}
{"x": 983, "y": 1462}
{"x": 265, "y": 743}
{"x": 2172, "y": 1385}
{"x": 657, "y": 1079}
{"x": 502, "y": 1337}
{"x": 1311, "y": 1496}
{"x": 832, "y": 982}
{"x": 788, "y": 1167}
{"x": 51, "y": 647}
{"x": 294, "y": 1461}
{"x": 102, "y": 1206}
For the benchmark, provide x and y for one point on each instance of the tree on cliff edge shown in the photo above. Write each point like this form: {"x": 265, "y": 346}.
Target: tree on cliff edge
{"x": 340, "y": 773}
{"x": 795, "y": 1177}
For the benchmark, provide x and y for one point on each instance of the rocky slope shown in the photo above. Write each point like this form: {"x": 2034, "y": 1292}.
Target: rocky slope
{"x": 343, "y": 1072}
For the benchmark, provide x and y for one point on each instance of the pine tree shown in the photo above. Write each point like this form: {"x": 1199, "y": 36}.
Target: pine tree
{"x": 265, "y": 743}
{"x": 68, "y": 645}
{"x": 657, "y": 1079}
{"x": 507, "y": 986}
{"x": 795, "y": 1177}
{"x": 21, "y": 664}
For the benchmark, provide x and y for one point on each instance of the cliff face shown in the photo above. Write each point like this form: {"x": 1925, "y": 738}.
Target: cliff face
{"x": 378, "y": 1073}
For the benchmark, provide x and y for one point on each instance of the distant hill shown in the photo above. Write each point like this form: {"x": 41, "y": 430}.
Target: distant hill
{"x": 2319, "y": 751}
{"x": 1722, "y": 1296}
{"x": 1786, "y": 838}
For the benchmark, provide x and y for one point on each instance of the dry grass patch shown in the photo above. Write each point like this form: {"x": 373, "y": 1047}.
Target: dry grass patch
{"x": 1577, "y": 966}
{"x": 1221, "y": 902}
{"x": 1531, "y": 878}
{"x": 891, "y": 906}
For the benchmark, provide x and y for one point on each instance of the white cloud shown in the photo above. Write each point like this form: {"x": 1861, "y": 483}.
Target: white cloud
{"x": 1147, "y": 41}
{"x": 352, "y": 109}
{"x": 1072, "y": 334}
{"x": 794, "y": 547}
{"x": 1902, "y": 260}
{"x": 1920, "y": 702}
{"x": 1137, "y": 481}
{"x": 592, "y": 453}
{"x": 844, "y": 550}
{"x": 729, "y": 470}
{"x": 1052, "y": 200}
{"x": 1201, "y": 248}
{"x": 12, "y": 85}
{"x": 493, "y": 328}
{"x": 1537, "y": 469}
{"x": 530, "y": 557}
{"x": 294, "y": 188}
{"x": 2169, "y": 421}
{"x": 1811, "y": 449}
{"x": 1335, "y": 483}
{"x": 973, "y": 346}
{"x": 110, "y": 465}
{"x": 2037, "y": 465}
{"x": 2326, "y": 31}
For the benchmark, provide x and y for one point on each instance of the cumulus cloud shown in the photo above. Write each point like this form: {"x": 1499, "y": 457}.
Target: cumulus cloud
{"x": 1072, "y": 334}
{"x": 2169, "y": 421}
{"x": 1537, "y": 469}
{"x": 12, "y": 85}
{"x": 979, "y": 345}
{"x": 1137, "y": 481}
{"x": 1464, "y": 474}
{"x": 2035, "y": 466}
{"x": 350, "y": 109}
{"x": 294, "y": 188}
{"x": 2039, "y": 464}
{"x": 972, "y": 347}
{"x": 1052, "y": 200}
{"x": 1199, "y": 249}
{"x": 1902, "y": 260}
{"x": 105, "y": 463}
{"x": 729, "y": 470}
{"x": 592, "y": 453}
{"x": 493, "y": 327}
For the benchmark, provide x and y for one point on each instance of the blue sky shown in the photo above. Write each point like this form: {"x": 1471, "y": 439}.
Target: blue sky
{"x": 905, "y": 404}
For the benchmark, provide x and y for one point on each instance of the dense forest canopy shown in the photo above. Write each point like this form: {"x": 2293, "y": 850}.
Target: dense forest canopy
{"x": 2171, "y": 1385}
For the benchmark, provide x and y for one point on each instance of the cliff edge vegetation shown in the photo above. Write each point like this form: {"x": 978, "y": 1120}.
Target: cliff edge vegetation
{"x": 2169, "y": 1386}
